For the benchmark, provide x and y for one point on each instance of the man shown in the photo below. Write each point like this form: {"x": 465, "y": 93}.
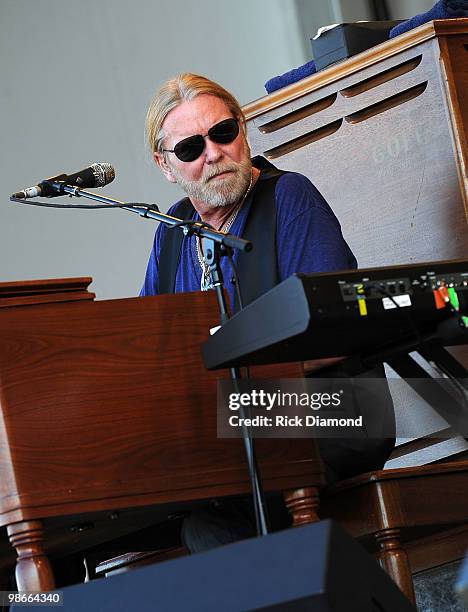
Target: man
{"x": 196, "y": 132}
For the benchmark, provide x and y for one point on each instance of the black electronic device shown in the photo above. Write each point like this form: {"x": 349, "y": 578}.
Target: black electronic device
{"x": 313, "y": 316}
{"x": 313, "y": 567}
{"x": 347, "y": 39}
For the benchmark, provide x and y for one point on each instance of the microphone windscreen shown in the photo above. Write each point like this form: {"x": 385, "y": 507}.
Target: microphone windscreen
{"x": 96, "y": 175}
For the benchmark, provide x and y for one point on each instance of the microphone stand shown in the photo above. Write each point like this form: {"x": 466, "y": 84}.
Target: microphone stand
{"x": 215, "y": 245}
{"x": 213, "y": 252}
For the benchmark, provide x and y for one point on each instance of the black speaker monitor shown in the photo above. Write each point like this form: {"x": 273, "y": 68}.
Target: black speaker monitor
{"x": 316, "y": 568}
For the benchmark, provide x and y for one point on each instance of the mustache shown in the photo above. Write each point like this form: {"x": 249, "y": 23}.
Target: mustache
{"x": 219, "y": 169}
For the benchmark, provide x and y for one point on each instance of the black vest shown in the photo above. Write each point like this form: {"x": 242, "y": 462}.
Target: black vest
{"x": 257, "y": 270}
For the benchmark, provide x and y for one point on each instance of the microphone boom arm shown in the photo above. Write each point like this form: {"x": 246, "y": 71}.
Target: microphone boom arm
{"x": 152, "y": 212}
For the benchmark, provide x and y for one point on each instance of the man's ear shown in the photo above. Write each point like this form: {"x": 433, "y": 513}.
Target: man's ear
{"x": 161, "y": 162}
{"x": 242, "y": 123}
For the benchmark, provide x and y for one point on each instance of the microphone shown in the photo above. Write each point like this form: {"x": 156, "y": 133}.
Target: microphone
{"x": 96, "y": 175}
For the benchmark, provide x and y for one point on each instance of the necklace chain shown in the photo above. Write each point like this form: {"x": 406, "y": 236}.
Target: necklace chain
{"x": 205, "y": 282}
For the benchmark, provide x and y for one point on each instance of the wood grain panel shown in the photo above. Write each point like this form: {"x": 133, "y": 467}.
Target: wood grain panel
{"x": 107, "y": 405}
{"x": 16, "y": 293}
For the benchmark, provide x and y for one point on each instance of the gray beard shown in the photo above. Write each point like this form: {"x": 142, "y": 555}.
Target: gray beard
{"x": 222, "y": 192}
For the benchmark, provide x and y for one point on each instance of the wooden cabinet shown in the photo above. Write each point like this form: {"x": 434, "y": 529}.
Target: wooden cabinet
{"x": 383, "y": 135}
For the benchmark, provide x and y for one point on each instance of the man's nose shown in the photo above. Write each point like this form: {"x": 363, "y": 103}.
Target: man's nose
{"x": 213, "y": 151}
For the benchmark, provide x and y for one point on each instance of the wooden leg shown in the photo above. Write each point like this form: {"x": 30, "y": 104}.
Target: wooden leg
{"x": 394, "y": 560}
{"x": 33, "y": 569}
{"x": 302, "y": 505}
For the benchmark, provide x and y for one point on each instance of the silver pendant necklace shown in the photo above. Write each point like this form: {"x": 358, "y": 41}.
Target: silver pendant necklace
{"x": 205, "y": 282}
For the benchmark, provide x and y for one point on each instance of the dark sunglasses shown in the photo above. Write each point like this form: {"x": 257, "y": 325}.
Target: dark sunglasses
{"x": 189, "y": 149}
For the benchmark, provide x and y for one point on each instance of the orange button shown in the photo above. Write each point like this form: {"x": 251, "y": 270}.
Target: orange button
{"x": 439, "y": 300}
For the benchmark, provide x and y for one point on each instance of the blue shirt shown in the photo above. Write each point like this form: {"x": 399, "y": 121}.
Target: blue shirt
{"x": 308, "y": 239}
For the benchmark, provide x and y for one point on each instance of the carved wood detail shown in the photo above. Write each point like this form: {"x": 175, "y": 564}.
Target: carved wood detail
{"x": 394, "y": 560}
{"x": 33, "y": 569}
{"x": 303, "y": 505}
